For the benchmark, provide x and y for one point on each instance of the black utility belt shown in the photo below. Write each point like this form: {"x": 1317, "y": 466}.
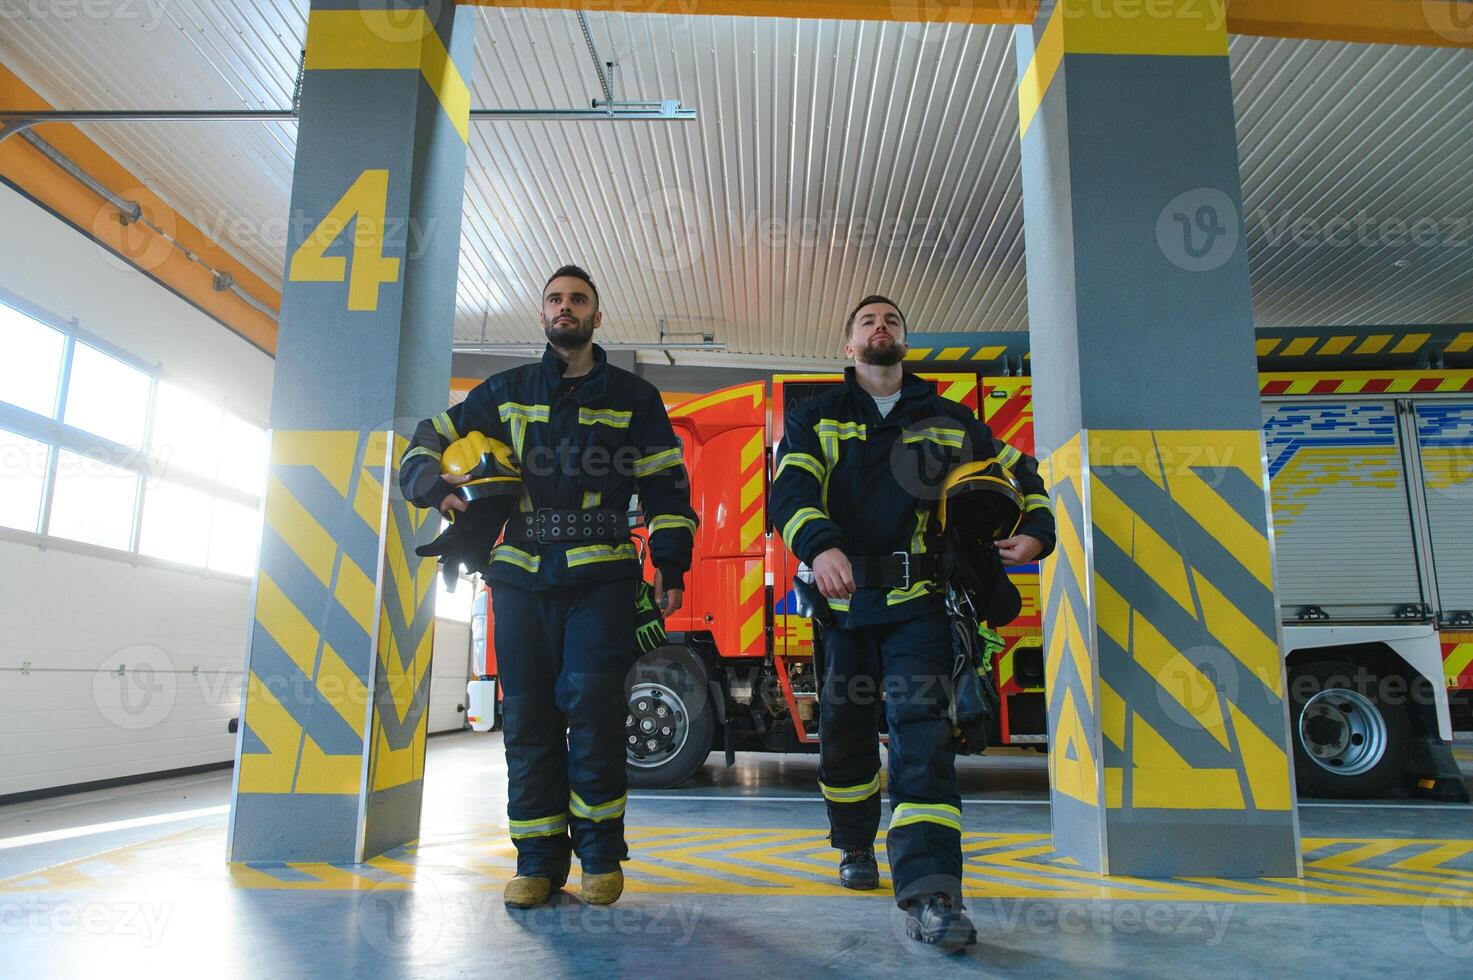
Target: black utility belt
{"x": 549, "y": 526}
{"x": 897, "y": 570}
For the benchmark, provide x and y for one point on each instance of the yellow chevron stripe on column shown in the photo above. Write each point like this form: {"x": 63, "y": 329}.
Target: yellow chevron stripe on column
{"x": 301, "y": 532}
{"x": 1069, "y": 640}
{"x": 1071, "y": 757}
{"x": 332, "y": 453}
{"x": 272, "y": 771}
{"x": 355, "y": 592}
{"x": 368, "y": 500}
{"x": 1239, "y": 635}
{"x": 319, "y": 772}
{"x": 1266, "y": 765}
{"x": 1178, "y": 677}
{"x": 1158, "y": 774}
{"x": 1246, "y": 543}
{"x": 343, "y": 689}
{"x": 1142, "y": 543}
{"x": 1113, "y": 713}
{"x": 1162, "y": 779}
{"x": 291, "y": 630}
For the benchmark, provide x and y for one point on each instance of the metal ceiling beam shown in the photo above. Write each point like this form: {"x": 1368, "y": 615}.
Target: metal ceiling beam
{"x": 667, "y": 110}
{"x": 1431, "y": 23}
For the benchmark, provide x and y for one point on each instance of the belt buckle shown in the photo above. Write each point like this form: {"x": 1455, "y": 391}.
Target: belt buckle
{"x": 543, "y": 515}
{"x": 904, "y": 565}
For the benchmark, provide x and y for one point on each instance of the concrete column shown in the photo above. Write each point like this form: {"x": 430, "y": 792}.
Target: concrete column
{"x": 330, "y": 762}
{"x": 1168, "y": 739}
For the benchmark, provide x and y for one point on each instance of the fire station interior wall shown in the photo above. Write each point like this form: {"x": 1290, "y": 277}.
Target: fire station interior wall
{"x": 71, "y": 611}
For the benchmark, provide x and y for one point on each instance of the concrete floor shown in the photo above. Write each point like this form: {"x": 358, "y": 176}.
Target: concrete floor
{"x": 731, "y": 878}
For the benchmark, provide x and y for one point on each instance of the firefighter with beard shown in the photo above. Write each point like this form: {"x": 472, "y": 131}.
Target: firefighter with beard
{"x": 859, "y": 475}
{"x": 585, "y": 436}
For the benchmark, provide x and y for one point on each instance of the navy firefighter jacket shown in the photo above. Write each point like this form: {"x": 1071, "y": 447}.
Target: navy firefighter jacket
{"x": 589, "y": 442}
{"x": 869, "y": 485}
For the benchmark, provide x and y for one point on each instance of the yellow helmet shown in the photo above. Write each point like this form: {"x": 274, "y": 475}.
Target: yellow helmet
{"x": 489, "y": 461}
{"x": 982, "y": 500}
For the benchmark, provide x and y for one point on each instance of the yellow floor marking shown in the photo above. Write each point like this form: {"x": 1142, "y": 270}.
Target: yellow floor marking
{"x": 1355, "y": 855}
{"x": 1353, "y": 885}
{"x": 1440, "y": 854}
{"x": 1255, "y": 886}
{"x": 1411, "y": 878}
{"x": 989, "y": 841}
{"x": 1372, "y": 878}
{"x": 754, "y": 862}
{"x": 393, "y": 866}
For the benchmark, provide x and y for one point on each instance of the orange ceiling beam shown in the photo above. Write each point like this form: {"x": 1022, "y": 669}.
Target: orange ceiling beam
{"x": 964, "y": 12}
{"x": 23, "y": 166}
{"x": 1432, "y": 23}
{"x": 1427, "y": 23}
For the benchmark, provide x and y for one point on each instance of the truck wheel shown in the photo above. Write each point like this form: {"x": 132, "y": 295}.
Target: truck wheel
{"x": 669, "y": 723}
{"x": 1347, "y": 743}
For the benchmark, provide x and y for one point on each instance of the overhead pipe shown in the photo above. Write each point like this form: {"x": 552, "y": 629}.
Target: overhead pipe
{"x": 130, "y": 212}
{"x": 662, "y": 110}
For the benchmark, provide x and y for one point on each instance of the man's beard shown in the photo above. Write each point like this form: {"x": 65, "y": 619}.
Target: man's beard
{"x": 881, "y": 356}
{"x": 561, "y": 333}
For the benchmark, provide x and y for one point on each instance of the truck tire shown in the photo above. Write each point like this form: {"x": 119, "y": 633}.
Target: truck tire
{"x": 670, "y": 721}
{"x": 1348, "y": 743}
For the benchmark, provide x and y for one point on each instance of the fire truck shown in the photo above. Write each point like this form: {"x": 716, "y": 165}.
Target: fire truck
{"x": 1372, "y": 484}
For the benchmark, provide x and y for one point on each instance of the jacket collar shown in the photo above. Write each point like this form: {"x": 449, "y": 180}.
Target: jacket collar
{"x": 594, "y": 382}
{"x": 911, "y": 389}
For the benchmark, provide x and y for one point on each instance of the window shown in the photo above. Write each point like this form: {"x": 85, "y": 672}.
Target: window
{"x": 235, "y": 531}
{"x": 130, "y": 461}
{"x": 186, "y": 432}
{"x": 243, "y": 463}
{"x": 107, "y": 397}
{"x": 31, "y": 368}
{"x": 176, "y": 523}
{"x": 22, "y": 480}
{"x": 93, "y": 501}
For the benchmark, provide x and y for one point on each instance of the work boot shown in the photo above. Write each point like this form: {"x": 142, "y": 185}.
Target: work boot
{"x": 527, "y": 891}
{"x": 603, "y": 889}
{"x": 530, "y": 891}
{"x": 859, "y": 870}
{"x": 939, "y": 921}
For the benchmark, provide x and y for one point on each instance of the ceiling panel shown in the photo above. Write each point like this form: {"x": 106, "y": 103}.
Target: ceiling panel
{"x": 830, "y": 159}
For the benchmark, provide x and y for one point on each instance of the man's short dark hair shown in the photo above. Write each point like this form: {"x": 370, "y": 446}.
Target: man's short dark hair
{"x": 873, "y": 298}
{"x": 575, "y": 272}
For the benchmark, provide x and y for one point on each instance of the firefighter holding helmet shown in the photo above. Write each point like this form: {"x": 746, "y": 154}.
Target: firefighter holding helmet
{"x": 861, "y": 477}
{"x": 554, "y": 451}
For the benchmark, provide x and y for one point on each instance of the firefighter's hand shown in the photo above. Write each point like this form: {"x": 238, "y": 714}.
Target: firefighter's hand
{"x": 667, "y": 599}
{"x": 1019, "y": 549}
{"x": 833, "y": 574}
{"x": 453, "y": 501}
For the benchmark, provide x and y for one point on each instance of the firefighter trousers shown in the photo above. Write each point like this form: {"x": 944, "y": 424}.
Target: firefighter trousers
{"x": 910, "y": 663}
{"x": 562, "y": 655}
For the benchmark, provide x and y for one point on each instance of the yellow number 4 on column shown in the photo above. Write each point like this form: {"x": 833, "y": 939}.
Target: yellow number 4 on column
{"x": 366, "y": 200}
